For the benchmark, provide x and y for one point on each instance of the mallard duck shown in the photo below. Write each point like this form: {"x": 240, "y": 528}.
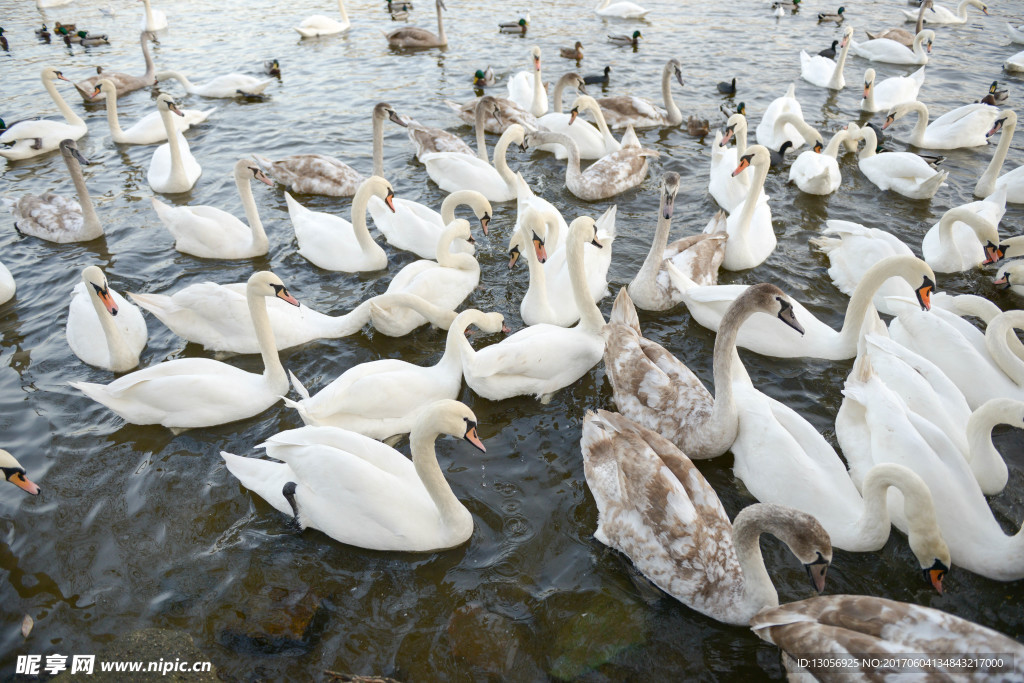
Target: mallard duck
{"x": 272, "y": 67}
{"x": 574, "y": 52}
{"x": 484, "y": 78}
{"x": 43, "y": 34}
{"x": 829, "y": 52}
{"x": 401, "y": 6}
{"x": 64, "y": 29}
{"x": 837, "y": 17}
{"x": 3, "y": 39}
{"x": 994, "y": 97}
{"x": 517, "y": 27}
{"x": 727, "y": 87}
{"x": 602, "y": 79}
{"x": 698, "y": 128}
{"x": 89, "y": 40}
{"x": 72, "y": 38}
{"x": 633, "y": 40}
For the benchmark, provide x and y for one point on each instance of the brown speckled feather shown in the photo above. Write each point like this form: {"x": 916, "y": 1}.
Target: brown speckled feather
{"x": 313, "y": 174}
{"x": 429, "y": 140}
{"x": 510, "y": 113}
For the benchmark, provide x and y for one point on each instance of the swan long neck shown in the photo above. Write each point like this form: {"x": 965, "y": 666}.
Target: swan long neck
{"x": 359, "y": 229}
{"x": 982, "y": 228}
{"x": 996, "y": 343}
{"x": 424, "y": 459}
{"x": 540, "y": 98}
{"x": 862, "y": 300}
{"x": 750, "y": 523}
{"x": 987, "y": 182}
{"x": 572, "y": 166}
{"x": 919, "y": 108}
{"x": 538, "y": 277}
{"x": 837, "y": 74}
{"x": 181, "y": 78}
{"x": 150, "y": 74}
{"x": 723, "y": 416}
{"x": 919, "y": 52}
{"x": 562, "y": 84}
{"x": 444, "y": 41}
{"x": 480, "y": 122}
{"x": 590, "y": 315}
{"x": 918, "y": 506}
{"x": 378, "y": 144}
{"x": 149, "y": 13}
{"x": 91, "y": 220}
{"x": 458, "y": 198}
{"x": 115, "y": 126}
{"x": 594, "y": 108}
{"x": 741, "y": 137}
{"x": 342, "y": 12}
{"x": 920, "y": 18}
{"x": 500, "y": 163}
{"x": 805, "y": 129}
{"x": 867, "y": 134}
{"x": 273, "y": 371}
{"x": 986, "y": 462}
{"x": 750, "y": 203}
{"x": 675, "y": 116}
{"x": 69, "y": 115}
{"x": 653, "y": 263}
{"x": 121, "y": 357}
{"x": 452, "y": 358}
{"x": 869, "y": 100}
{"x": 243, "y": 182}
{"x": 177, "y": 166}
{"x": 445, "y": 257}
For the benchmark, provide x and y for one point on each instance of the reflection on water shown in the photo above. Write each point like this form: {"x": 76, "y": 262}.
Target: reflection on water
{"x": 138, "y": 527}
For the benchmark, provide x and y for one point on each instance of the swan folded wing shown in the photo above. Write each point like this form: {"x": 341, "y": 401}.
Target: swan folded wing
{"x": 316, "y": 174}
{"x": 986, "y": 116}
{"x": 522, "y": 355}
{"x": 387, "y": 389}
{"x": 206, "y": 313}
{"x": 265, "y": 478}
{"x": 625, "y": 109}
{"x": 38, "y": 128}
{"x": 301, "y": 447}
{"x": 429, "y": 140}
{"x": 49, "y": 216}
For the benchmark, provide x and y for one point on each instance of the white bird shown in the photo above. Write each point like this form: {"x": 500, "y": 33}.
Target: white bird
{"x": 990, "y": 180}
{"x": 32, "y": 137}
{"x": 767, "y": 133}
{"x": 902, "y": 172}
{"x": 152, "y": 19}
{"x": 103, "y": 329}
{"x": 453, "y": 171}
{"x": 621, "y": 9}
{"x": 150, "y": 128}
{"x": 592, "y": 142}
{"x": 751, "y": 237}
{"x": 621, "y": 111}
{"x": 15, "y": 473}
{"x": 526, "y": 88}
{"x": 362, "y": 492}
{"x": 209, "y": 232}
{"x": 7, "y": 285}
{"x": 730, "y": 191}
{"x": 172, "y": 169}
{"x": 228, "y": 85}
{"x": 887, "y": 94}
{"x": 186, "y": 393}
{"x": 942, "y": 15}
{"x": 816, "y": 171}
{"x": 320, "y": 25}
{"x": 965, "y": 126}
{"x": 892, "y": 52}
{"x": 417, "y": 228}
{"x": 824, "y": 72}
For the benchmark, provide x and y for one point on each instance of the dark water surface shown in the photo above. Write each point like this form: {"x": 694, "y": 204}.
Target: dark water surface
{"x": 137, "y": 527}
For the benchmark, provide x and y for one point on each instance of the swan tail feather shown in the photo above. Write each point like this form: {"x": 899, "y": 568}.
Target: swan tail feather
{"x": 299, "y": 389}
{"x": 605, "y": 225}
{"x": 624, "y": 312}
{"x": 679, "y": 279}
{"x": 263, "y": 477}
{"x": 455, "y": 106}
{"x": 932, "y": 185}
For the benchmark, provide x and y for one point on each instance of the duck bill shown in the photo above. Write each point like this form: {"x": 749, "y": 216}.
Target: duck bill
{"x": 867, "y": 90}
{"x": 395, "y": 118}
{"x": 24, "y": 483}
{"x": 103, "y": 294}
{"x": 284, "y": 295}
{"x": 924, "y": 294}
{"x": 739, "y": 169}
{"x": 174, "y": 108}
{"x": 390, "y": 200}
{"x": 473, "y": 438}
{"x": 670, "y": 204}
{"x": 536, "y": 63}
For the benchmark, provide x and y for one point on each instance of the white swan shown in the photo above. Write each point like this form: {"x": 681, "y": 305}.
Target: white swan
{"x": 655, "y": 506}
{"x": 453, "y": 171}
{"x": 362, "y": 492}
{"x": 965, "y": 236}
{"x": 103, "y": 329}
{"x": 621, "y": 111}
{"x": 816, "y": 171}
{"x": 942, "y": 15}
{"x": 593, "y": 143}
{"x": 57, "y": 219}
{"x": 657, "y": 390}
{"x": 13, "y": 472}
{"x": 186, "y": 393}
{"x": 621, "y": 9}
{"x": 964, "y": 126}
{"x": 417, "y": 228}
{"x": 320, "y": 25}
{"x": 1016, "y": 34}
{"x": 697, "y": 256}
{"x": 152, "y": 19}
{"x": 1010, "y": 276}
{"x": 333, "y": 243}
{"x": 542, "y": 359}
{"x": 990, "y": 180}
{"x": 217, "y": 317}
{"x": 874, "y": 425}
{"x": 887, "y": 94}
{"x": 708, "y": 306}
{"x": 445, "y": 283}
{"x": 32, "y": 137}
{"x": 902, "y": 172}
{"x": 751, "y": 237}
{"x": 411, "y": 36}
{"x": 8, "y": 287}
{"x": 610, "y": 175}
{"x": 892, "y": 52}
{"x": 824, "y": 72}
{"x": 228, "y": 85}
{"x": 382, "y": 398}
{"x": 209, "y": 232}
{"x": 172, "y": 169}
{"x": 150, "y": 128}
{"x": 729, "y": 190}
{"x": 876, "y": 629}
{"x": 526, "y": 88}
{"x": 768, "y": 134}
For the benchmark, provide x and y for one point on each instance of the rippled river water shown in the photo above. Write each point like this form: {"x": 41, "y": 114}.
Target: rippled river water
{"x": 137, "y": 527}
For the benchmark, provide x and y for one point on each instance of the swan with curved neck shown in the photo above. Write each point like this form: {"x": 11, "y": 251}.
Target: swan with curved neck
{"x": 453, "y": 171}
{"x": 226, "y": 86}
{"x": 941, "y": 15}
{"x": 698, "y": 256}
{"x": 362, "y": 492}
{"x": 891, "y": 52}
{"x": 331, "y": 242}
{"x": 53, "y": 218}
{"x": 593, "y": 143}
{"x": 902, "y": 172}
{"x": 526, "y": 88}
{"x": 950, "y": 247}
{"x": 825, "y": 72}
{"x": 382, "y": 398}
{"x": 33, "y": 137}
{"x": 418, "y": 37}
{"x": 964, "y": 126}
{"x": 188, "y": 393}
{"x": 208, "y": 232}
{"x": 751, "y": 238}
{"x": 891, "y": 91}
{"x": 103, "y": 329}
{"x": 417, "y": 228}
{"x": 173, "y": 168}
{"x": 816, "y": 171}
{"x": 149, "y": 129}
{"x": 626, "y": 110}
{"x": 730, "y": 190}
{"x": 818, "y": 340}
{"x": 542, "y": 359}
{"x": 688, "y": 547}
{"x": 1013, "y": 181}
{"x": 902, "y": 36}
{"x": 124, "y": 83}
{"x": 321, "y": 25}
{"x": 446, "y": 283}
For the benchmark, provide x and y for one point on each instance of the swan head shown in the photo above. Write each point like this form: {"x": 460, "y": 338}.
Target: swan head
{"x": 166, "y": 103}
{"x": 245, "y": 166}
{"x": 265, "y": 283}
{"x": 1010, "y": 275}
{"x": 730, "y": 126}
{"x": 897, "y": 112}
{"x": 49, "y": 73}
{"x": 677, "y": 69}
{"x": 535, "y": 56}
{"x": 869, "y": 80}
{"x": 1007, "y": 118}
{"x": 583, "y": 230}
{"x": 69, "y": 150}
{"x": 381, "y": 188}
{"x": 15, "y": 473}
{"x": 847, "y": 34}
{"x": 669, "y": 188}
{"x": 96, "y": 285}
{"x": 756, "y": 155}
{"x": 440, "y": 5}
{"x": 104, "y": 85}
{"x": 450, "y": 417}
{"x": 384, "y": 110}
{"x": 767, "y": 298}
